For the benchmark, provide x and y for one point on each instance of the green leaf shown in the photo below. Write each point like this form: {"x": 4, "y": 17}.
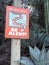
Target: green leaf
{"x": 43, "y": 58}
{"x": 34, "y": 52}
{"x": 26, "y": 61}
{"x": 48, "y": 57}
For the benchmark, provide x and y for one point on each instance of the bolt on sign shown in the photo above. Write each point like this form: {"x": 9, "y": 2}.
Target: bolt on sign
{"x": 17, "y": 23}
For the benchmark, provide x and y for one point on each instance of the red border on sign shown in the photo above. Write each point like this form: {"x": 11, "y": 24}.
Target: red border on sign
{"x": 8, "y": 28}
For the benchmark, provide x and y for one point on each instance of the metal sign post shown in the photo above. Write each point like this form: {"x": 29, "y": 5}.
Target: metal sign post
{"x": 15, "y": 43}
{"x": 15, "y": 51}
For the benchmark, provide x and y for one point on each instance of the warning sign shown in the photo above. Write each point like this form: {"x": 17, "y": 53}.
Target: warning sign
{"x": 17, "y": 23}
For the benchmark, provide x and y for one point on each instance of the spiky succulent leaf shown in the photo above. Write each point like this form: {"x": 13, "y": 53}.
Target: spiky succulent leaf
{"x": 48, "y": 57}
{"x": 26, "y": 61}
{"x": 37, "y": 57}
{"x": 43, "y": 58}
{"x": 34, "y": 52}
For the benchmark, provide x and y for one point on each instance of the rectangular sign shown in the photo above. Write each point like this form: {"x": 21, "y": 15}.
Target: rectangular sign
{"x": 17, "y": 23}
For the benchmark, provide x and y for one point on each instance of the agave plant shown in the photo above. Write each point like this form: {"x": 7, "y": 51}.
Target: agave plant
{"x": 37, "y": 57}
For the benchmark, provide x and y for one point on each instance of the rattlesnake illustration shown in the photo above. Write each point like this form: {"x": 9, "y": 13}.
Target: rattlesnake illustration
{"x": 16, "y": 22}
